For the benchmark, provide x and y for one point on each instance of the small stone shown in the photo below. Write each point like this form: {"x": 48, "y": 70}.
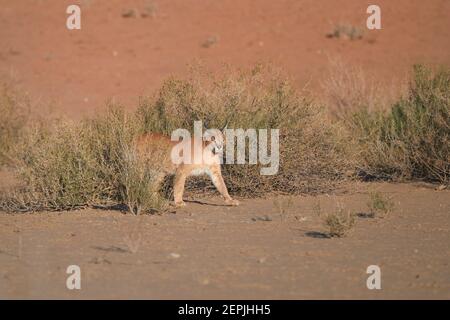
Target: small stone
{"x": 130, "y": 13}
{"x": 262, "y": 218}
{"x": 175, "y": 255}
{"x": 210, "y": 41}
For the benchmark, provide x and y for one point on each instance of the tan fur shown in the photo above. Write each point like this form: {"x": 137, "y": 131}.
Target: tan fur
{"x": 157, "y": 146}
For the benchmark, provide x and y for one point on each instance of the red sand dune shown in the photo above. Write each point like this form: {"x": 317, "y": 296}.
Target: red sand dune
{"x": 122, "y": 58}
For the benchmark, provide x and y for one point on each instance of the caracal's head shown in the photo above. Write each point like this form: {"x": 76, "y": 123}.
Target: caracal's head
{"x": 216, "y": 140}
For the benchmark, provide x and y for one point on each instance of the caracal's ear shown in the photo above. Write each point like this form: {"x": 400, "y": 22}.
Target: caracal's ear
{"x": 225, "y": 125}
{"x": 212, "y": 134}
{"x": 224, "y": 133}
{"x": 205, "y": 124}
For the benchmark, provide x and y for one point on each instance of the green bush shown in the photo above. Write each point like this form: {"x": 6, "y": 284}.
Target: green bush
{"x": 411, "y": 140}
{"x": 69, "y": 166}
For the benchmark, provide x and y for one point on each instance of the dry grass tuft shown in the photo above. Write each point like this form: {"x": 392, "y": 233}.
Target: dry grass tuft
{"x": 283, "y": 205}
{"x": 338, "y": 222}
{"x": 346, "y": 32}
{"x": 14, "y": 110}
{"x": 379, "y": 205}
{"x": 349, "y": 89}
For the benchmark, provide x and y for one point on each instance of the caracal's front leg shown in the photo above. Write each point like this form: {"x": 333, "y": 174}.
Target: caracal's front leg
{"x": 178, "y": 188}
{"x": 217, "y": 179}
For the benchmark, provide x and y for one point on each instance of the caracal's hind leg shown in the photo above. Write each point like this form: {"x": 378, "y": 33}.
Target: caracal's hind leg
{"x": 217, "y": 179}
{"x": 178, "y": 188}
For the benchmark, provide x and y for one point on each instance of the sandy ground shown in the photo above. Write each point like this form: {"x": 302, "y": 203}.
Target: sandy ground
{"x": 119, "y": 58}
{"x": 207, "y": 251}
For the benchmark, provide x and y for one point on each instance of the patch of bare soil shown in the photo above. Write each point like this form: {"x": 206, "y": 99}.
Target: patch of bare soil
{"x": 209, "y": 251}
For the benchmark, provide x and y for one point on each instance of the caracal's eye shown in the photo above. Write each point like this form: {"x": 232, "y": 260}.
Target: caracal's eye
{"x": 213, "y": 138}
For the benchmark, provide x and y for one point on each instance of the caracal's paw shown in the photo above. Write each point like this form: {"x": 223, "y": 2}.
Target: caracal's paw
{"x": 180, "y": 204}
{"x": 232, "y": 202}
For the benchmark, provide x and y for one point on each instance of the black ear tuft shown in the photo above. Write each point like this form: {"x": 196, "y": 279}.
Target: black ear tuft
{"x": 205, "y": 124}
{"x": 227, "y": 121}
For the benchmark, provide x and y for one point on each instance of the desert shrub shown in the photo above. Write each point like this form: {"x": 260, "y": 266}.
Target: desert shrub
{"x": 379, "y": 205}
{"x": 283, "y": 206}
{"x": 412, "y": 139}
{"x": 346, "y": 31}
{"x": 313, "y": 150}
{"x": 139, "y": 186}
{"x": 55, "y": 169}
{"x": 69, "y": 166}
{"x": 338, "y": 222}
{"x": 14, "y": 116}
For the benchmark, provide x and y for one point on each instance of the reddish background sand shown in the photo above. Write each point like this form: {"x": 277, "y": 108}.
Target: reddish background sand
{"x": 123, "y": 58}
